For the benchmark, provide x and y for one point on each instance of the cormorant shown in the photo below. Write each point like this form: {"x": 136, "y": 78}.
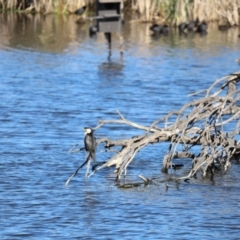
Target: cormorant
{"x": 90, "y": 143}
{"x": 90, "y": 147}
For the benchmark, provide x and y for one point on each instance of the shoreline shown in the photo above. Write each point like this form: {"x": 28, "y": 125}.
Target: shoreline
{"x": 226, "y": 13}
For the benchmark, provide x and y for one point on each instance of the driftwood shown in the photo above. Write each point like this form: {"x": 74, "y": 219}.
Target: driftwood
{"x": 201, "y": 123}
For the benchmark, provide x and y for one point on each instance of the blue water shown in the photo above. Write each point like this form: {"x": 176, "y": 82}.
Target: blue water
{"x": 54, "y": 84}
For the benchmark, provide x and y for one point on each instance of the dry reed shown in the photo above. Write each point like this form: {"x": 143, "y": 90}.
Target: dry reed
{"x": 44, "y": 6}
{"x": 226, "y": 12}
{"x": 177, "y": 11}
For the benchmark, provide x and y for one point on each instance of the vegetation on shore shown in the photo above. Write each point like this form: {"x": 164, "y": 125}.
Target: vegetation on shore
{"x": 44, "y": 6}
{"x": 226, "y": 12}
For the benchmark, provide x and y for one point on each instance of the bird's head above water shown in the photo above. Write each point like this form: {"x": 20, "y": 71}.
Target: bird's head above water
{"x": 87, "y": 130}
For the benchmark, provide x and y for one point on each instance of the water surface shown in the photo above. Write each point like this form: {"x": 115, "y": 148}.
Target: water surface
{"x": 55, "y": 80}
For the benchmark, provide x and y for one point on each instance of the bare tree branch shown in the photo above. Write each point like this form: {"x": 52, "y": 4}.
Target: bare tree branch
{"x": 201, "y": 122}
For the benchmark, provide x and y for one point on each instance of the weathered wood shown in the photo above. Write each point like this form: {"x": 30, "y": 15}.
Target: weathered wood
{"x": 200, "y": 122}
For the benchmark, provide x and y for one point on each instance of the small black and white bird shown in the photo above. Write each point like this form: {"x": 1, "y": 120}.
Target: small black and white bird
{"x": 90, "y": 146}
{"x": 238, "y": 60}
{"x": 90, "y": 143}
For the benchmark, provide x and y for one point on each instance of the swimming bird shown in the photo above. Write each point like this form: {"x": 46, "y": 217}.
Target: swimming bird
{"x": 202, "y": 27}
{"x": 80, "y": 11}
{"x": 159, "y": 29}
{"x": 155, "y": 28}
{"x": 191, "y": 26}
{"x": 164, "y": 29}
{"x": 182, "y": 26}
{"x": 92, "y": 31}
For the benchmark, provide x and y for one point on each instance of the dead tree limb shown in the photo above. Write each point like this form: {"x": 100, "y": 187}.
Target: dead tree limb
{"x": 203, "y": 122}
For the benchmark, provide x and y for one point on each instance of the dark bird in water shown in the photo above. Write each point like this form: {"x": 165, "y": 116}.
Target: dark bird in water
{"x": 182, "y": 27}
{"x": 90, "y": 143}
{"x": 92, "y": 31}
{"x": 164, "y": 29}
{"x": 155, "y": 28}
{"x": 191, "y": 26}
{"x": 202, "y": 27}
{"x": 158, "y": 29}
{"x": 80, "y": 11}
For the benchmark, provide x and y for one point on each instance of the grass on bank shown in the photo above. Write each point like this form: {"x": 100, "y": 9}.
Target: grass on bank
{"x": 226, "y": 12}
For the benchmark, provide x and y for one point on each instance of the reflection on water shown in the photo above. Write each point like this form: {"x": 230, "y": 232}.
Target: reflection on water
{"x": 55, "y": 80}
{"x": 111, "y": 69}
{"x": 49, "y": 33}
{"x": 54, "y": 33}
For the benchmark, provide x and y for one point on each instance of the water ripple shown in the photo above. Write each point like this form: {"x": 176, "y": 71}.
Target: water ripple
{"x": 49, "y": 95}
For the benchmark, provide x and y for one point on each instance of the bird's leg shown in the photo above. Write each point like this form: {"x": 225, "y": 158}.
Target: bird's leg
{"x": 75, "y": 173}
{"x": 88, "y": 166}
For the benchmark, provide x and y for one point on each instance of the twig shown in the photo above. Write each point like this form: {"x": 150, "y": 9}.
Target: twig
{"x": 77, "y": 150}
